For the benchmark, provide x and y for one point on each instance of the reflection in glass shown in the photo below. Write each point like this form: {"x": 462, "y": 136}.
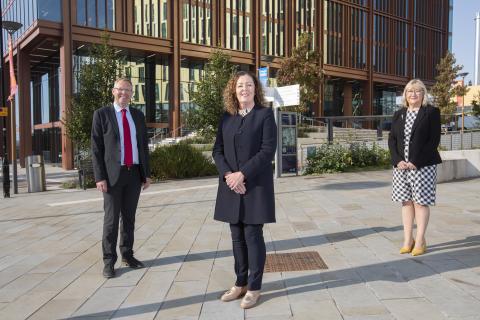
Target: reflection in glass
{"x": 150, "y": 17}
{"x": 91, "y": 13}
{"x": 81, "y": 16}
{"x": 49, "y": 10}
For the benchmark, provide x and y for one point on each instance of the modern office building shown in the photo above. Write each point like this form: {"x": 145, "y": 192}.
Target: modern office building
{"x": 476, "y": 71}
{"x": 371, "y": 48}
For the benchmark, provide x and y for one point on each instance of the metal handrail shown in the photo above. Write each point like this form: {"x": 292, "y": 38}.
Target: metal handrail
{"x": 168, "y": 135}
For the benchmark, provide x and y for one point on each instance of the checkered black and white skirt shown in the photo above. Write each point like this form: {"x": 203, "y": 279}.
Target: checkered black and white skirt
{"x": 417, "y": 185}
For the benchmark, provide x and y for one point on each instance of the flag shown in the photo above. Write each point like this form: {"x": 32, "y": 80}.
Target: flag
{"x": 13, "y": 81}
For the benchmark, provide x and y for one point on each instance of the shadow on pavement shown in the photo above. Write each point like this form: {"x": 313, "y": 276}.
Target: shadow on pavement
{"x": 402, "y": 270}
{"x": 355, "y": 185}
{"x": 278, "y": 245}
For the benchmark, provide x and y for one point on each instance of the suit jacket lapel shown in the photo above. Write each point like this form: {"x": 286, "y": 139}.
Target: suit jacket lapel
{"x": 403, "y": 118}
{"x": 421, "y": 114}
{"x": 113, "y": 119}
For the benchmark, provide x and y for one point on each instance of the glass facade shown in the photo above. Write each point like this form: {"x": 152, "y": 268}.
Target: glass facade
{"x": 450, "y": 24}
{"x": 425, "y": 52}
{"x": 197, "y": 21}
{"x": 429, "y": 12}
{"x": 381, "y": 39}
{"x": 333, "y": 33}
{"x": 150, "y": 79}
{"x": 397, "y": 8}
{"x": 430, "y": 19}
{"x": 45, "y": 112}
{"x": 358, "y": 46}
{"x": 238, "y": 25}
{"x": 28, "y": 11}
{"x": 45, "y": 97}
{"x": 333, "y": 98}
{"x": 48, "y": 143}
{"x": 191, "y": 72}
{"x": 273, "y": 27}
{"x": 384, "y": 102}
{"x": 150, "y": 18}
{"x": 344, "y": 26}
{"x": 96, "y": 13}
{"x": 305, "y": 18}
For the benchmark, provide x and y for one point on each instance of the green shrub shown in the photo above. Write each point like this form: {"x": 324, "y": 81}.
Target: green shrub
{"x": 197, "y": 140}
{"x": 328, "y": 159}
{"x": 75, "y": 184}
{"x": 199, "y": 144}
{"x": 364, "y": 156}
{"x": 179, "y": 161}
{"x": 71, "y": 184}
{"x": 337, "y": 158}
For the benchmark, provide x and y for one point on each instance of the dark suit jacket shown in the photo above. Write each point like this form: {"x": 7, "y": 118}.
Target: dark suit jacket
{"x": 106, "y": 148}
{"x": 424, "y": 139}
{"x": 246, "y": 144}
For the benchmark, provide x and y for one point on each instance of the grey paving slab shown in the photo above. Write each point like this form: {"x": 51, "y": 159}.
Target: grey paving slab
{"x": 50, "y": 255}
{"x": 410, "y": 309}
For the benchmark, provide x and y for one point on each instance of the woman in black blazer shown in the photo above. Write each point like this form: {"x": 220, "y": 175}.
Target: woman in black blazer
{"x": 243, "y": 153}
{"x": 413, "y": 142}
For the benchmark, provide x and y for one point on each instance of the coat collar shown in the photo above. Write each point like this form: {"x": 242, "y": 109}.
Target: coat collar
{"x": 420, "y": 115}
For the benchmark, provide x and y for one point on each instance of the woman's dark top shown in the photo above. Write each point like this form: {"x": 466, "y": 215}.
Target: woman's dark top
{"x": 246, "y": 144}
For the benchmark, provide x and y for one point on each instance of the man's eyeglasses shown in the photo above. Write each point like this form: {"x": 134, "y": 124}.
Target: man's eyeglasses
{"x": 123, "y": 90}
{"x": 417, "y": 92}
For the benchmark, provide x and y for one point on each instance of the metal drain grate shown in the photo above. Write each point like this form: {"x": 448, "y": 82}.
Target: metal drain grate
{"x": 294, "y": 261}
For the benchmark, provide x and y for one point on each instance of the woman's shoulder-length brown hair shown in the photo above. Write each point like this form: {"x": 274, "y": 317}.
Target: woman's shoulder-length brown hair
{"x": 230, "y": 95}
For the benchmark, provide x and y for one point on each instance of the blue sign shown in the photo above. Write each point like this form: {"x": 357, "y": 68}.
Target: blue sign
{"x": 263, "y": 75}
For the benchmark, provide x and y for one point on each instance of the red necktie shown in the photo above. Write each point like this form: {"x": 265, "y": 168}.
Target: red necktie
{"x": 127, "y": 140}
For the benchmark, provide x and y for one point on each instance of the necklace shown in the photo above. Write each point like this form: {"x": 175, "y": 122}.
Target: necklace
{"x": 243, "y": 112}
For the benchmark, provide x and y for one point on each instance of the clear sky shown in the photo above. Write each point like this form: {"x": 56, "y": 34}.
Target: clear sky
{"x": 463, "y": 35}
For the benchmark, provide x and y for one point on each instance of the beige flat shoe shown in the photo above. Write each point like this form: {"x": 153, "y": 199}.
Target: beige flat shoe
{"x": 234, "y": 293}
{"x": 250, "y": 299}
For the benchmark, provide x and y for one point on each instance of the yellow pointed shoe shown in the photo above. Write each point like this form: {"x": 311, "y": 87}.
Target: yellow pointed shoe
{"x": 407, "y": 249}
{"x": 419, "y": 251}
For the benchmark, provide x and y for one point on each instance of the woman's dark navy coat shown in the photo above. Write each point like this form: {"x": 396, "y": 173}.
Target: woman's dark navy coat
{"x": 246, "y": 144}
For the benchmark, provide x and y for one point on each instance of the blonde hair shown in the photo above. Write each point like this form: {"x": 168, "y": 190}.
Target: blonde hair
{"x": 415, "y": 84}
{"x": 230, "y": 94}
{"x": 123, "y": 79}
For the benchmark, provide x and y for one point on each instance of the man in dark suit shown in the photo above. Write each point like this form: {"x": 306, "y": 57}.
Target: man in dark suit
{"x": 121, "y": 168}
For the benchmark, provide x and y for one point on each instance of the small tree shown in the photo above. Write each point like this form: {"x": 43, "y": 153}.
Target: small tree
{"x": 303, "y": 68}
{"x": 95, "y": 82}
{"x": 476, "y": 104}
{"x": 208, "y": 95}
{"x": 443, "y": 91}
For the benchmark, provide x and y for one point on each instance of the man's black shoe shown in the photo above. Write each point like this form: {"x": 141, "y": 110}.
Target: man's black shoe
{"x": 108, "y": 271}
{"x": 132, "y": 263}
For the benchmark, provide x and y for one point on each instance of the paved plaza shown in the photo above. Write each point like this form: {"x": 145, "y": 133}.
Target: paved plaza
{"x": 51, "y": 266}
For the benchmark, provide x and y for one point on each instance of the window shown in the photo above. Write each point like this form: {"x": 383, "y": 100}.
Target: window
{"x": 150, "y": 17}
{"x": 196, "y": 21}
{"x": 273, "y": 31}
{"x": 305, "y": 18}
{"x": 96, "y": 13}
{"x": 333, "y": 33}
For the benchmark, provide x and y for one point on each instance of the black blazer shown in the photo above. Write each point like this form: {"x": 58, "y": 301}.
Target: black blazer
{"x": 106, "y": 148}
{"x": 246, "y": 144}
{"x": 424, "y": 139}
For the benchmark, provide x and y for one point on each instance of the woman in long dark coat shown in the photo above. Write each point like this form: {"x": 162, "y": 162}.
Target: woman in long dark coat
{"x": 243, "y": 153}
{"x": 413, "y": 142}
